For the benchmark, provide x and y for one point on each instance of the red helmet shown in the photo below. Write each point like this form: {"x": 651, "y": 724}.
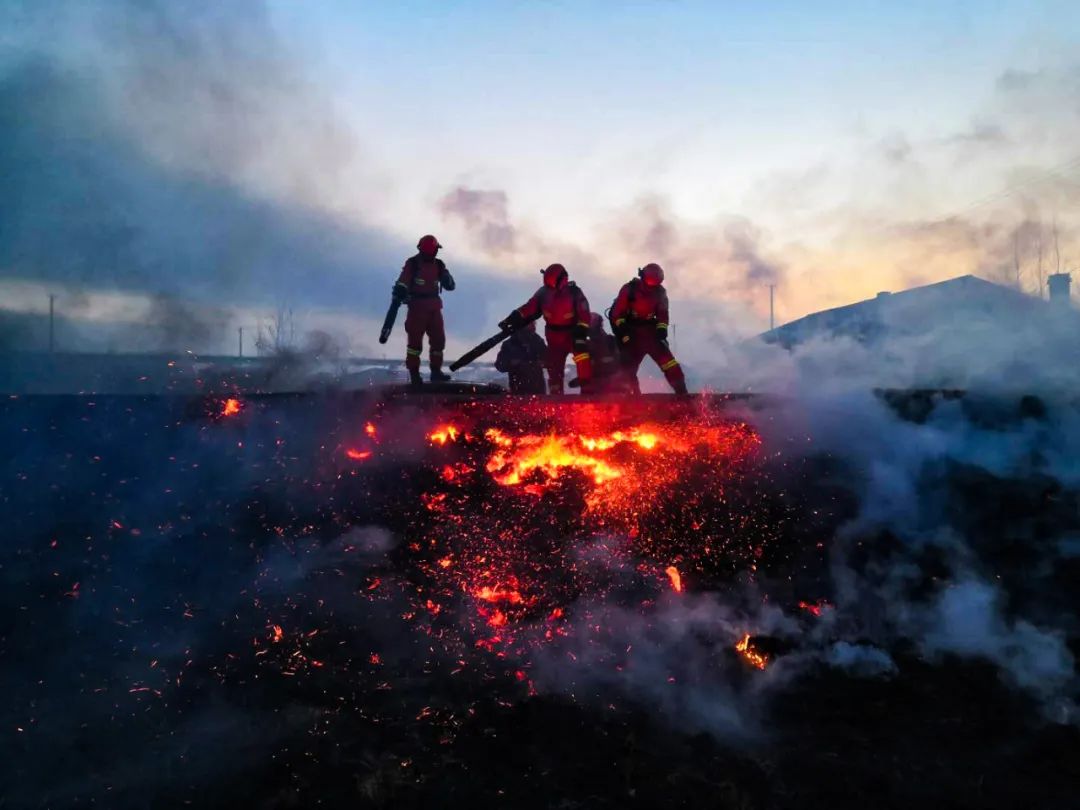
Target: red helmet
{"x": 652, "y": 275}
{"x": 555, "y": 276}
{"x": 428, "y": 245}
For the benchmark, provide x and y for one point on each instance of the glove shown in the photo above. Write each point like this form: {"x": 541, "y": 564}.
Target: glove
{"x": 661, "y": 334}
{"x": 512, "y": 322}
{"x": 447, "y": 280}
{"x": 400, "y": 293}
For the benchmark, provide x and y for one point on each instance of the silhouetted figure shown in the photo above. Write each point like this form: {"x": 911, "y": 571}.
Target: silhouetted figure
{"x": 522, "y": 357}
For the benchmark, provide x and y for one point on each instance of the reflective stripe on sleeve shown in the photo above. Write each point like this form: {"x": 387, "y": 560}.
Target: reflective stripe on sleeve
{"x": 670, "y": 364}
{"x": 580, "y": 358}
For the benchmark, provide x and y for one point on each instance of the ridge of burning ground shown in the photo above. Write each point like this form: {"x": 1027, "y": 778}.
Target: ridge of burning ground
{"x": 290, "y": 599}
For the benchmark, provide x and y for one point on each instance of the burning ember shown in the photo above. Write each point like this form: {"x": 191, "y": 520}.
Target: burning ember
{"x": 749, "y": 654}
{"x": 511, "y": 508}
{"x": 231, "y": 407}
{"x": 357, "y": 455}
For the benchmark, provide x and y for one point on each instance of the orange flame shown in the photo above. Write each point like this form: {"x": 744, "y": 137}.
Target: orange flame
{"x": 675, "y": 577}
{"x": 231, "y": 407}
{"x": 548, "y": 455}
{"x": 749, "y": 654}
{"x": 624, "y": 466}
{"x": 357, "y": 455}
{"x": 444, "y": 434}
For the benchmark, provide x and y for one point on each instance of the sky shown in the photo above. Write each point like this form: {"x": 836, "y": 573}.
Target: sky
{"x": 233, "y": 159}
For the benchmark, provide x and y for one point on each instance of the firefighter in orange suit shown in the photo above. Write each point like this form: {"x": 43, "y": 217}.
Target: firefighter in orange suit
{"x": 639, "y": 318}
{"x": 422, "y": 279}
{"x": 566, "y": 319}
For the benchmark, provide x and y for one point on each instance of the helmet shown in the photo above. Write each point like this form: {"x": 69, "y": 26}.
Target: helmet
{"x": 555, "y": 276}
{"x": 428, "y": 245}
{"x": 596, "y": 321}
{"x": 652, "y": 275}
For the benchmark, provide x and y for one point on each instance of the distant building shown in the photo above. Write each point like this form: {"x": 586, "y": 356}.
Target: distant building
{"x": 964, "y": 307}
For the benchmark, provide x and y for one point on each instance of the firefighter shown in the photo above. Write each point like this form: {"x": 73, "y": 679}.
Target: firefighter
{"x": 522, "y": 357}
{"x": 604, "y": 353}
{"x": 422, "y": 279}
{"x": 566, "y": 320}
{"x": 639, "y": 318}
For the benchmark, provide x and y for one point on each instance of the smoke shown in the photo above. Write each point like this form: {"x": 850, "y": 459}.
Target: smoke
{"x": 967, "y": 619}
{"x": 183, "y": 155}
{"x": 485, "y": 215}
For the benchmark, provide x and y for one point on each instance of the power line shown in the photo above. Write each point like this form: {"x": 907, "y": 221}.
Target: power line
{"x": 1058, "y": 172}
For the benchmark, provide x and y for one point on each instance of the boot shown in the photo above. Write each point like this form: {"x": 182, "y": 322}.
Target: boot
{"x": 437, "y": 376}
{"x": 680, "y": 388}
{"x": 415, "y": 380}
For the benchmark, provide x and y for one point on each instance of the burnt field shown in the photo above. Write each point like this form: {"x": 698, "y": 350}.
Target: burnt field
{"x": 295, "y": 601}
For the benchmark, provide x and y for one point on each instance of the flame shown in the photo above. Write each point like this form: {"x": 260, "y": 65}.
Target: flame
{"x": 548, "y": 455}
{"x": 369, "y": 429}
{"x": 231, "y": 407}
{"x": 675, "y": 577}
{"x": 623, "y": 466}
{"x": 444, "y": 434}
{"x": 357, "y": 455}
{"x": 749, "y": 654}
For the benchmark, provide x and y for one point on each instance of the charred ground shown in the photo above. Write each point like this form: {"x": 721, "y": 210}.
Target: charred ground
{"x": 297, "y": 601}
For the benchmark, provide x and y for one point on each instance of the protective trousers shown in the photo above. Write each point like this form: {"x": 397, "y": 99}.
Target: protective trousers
{"x": 424, "y": 318}
{"x": 560, "y": 343}
{"x": 644, "y": 342}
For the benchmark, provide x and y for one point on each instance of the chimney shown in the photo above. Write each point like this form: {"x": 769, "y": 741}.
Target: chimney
{"x": 1059, "y": 290}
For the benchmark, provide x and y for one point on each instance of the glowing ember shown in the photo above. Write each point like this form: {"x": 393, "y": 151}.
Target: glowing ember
{"x": 231, "y": 407}
{"x": 489, "y": 594}
{"x": 357, "y": 455}
{"x": 369, "y": 429}
{"x": 814, "y": 608}
{"x": 749, "y": 654}
{"x": 675, "y": 577}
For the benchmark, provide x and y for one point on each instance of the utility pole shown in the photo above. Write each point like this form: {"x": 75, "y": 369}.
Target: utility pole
{"x": 52, "y": 323}
{"x": 772, "y": 320}
{"x": 240, "y": 331}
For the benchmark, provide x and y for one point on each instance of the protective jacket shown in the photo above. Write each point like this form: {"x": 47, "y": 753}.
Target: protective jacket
{"x": 565, "y": 311}
{"x": 421, "y": 281}
{"x": 639, "y": 318}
